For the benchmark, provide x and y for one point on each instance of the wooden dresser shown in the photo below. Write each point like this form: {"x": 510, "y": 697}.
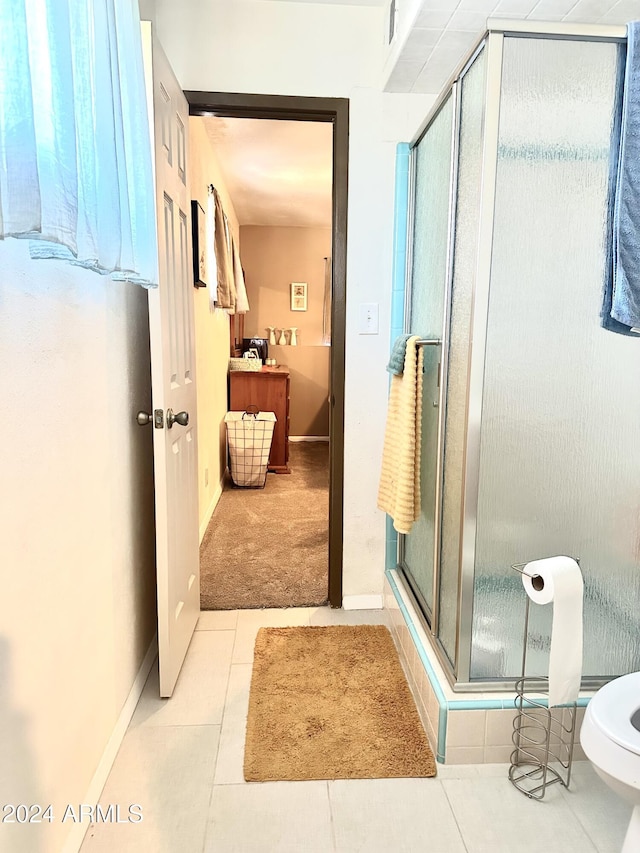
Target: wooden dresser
{"x": 268, "y": 390}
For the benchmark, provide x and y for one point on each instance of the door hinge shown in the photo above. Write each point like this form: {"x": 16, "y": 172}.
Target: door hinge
{"x": 158, "y": 419}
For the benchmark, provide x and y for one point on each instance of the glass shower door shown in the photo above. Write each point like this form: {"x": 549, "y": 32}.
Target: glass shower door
{"x": 558, "y": 467}
{"x": 432, "y": 163}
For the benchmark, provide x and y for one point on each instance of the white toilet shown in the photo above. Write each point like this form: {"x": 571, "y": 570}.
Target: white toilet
{"x": 610, "y": 737}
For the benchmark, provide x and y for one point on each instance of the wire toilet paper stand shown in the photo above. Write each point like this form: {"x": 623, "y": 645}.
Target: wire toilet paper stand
{"x": 542, "y": 736}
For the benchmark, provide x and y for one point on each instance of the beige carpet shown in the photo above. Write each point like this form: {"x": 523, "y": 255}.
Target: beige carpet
{"x": 269, "y": 547}
{"x": 331, "y": 703}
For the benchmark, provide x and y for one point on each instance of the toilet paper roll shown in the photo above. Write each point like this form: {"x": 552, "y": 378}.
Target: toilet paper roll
{"x": 558, "y": 581}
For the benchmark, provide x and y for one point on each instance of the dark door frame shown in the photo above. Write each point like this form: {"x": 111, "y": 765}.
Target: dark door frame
{"x": 336, "y": 111}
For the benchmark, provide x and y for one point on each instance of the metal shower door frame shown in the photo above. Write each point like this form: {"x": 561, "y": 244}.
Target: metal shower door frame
{"x": 454, "y": 91}
{"x": 477, "y": 349}
{"x": 431, "y": 612}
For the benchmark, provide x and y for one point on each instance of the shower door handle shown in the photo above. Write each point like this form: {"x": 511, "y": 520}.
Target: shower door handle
{"x": 436, "y": 402}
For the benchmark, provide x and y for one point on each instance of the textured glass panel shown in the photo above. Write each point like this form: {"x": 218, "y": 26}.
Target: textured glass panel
{"x": 418, "y": 555}
{"x": 464, "y": 267}
{"x": 429, "y": 275}
{"x": 431, "y": 224}
{"x": 559, "y": 460}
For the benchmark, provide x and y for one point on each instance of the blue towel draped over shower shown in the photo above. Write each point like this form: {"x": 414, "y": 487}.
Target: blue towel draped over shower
{"x": 621, "y": 297}
{"x": 396, "y": 360}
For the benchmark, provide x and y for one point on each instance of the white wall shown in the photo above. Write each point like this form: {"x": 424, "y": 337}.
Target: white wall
{"x": 272, "y": 258}
{"x": 329, "y": 51}
{"x": 273, "y": 47}
{"x": 147, "y": 9}
{"x": 211, "y": 334}
{"x": 77, "y": 543}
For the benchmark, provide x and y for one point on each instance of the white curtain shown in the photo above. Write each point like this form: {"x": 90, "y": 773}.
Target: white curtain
{"x": 75, "y": 149}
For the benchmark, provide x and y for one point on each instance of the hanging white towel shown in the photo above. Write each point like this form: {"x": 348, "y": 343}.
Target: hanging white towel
{"x": 399, "y": 491}
{"x": 222, "y": 287}
{"x": 242, "y": 300}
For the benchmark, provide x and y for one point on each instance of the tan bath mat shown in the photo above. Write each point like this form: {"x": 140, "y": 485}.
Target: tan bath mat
{"x": 332, "y": 703}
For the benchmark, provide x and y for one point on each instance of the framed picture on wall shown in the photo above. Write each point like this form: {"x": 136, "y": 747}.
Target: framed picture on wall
{"x": 298, "y": 296}
{"x": 199, "y": 233}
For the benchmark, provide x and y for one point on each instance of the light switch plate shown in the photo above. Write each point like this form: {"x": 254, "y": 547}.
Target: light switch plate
{"x": 368, "y": 318}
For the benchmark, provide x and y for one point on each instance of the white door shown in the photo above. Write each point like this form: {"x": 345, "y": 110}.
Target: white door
{"x": 173, "y": 375}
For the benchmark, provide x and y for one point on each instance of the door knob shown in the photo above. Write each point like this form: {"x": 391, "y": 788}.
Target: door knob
{"x": 143, "y": 418}
{"x": 181, "y": 418}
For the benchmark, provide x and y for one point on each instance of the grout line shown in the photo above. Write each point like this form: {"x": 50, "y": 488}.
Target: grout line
{"x": 455, "y": 816}
{"x": 209, "y": 804}
{"x": 207, "y": 630}
{"x": 146, "y": 725}
{"x": 275, "y": 782}
{"x": 567, "y": 800}
{"x": 219, "y": 784}
{"x": 235, "y": 640}
{"x": 224, "y": 705}
{"x": 224, "y": 710}
{"x": 331, "y": 823}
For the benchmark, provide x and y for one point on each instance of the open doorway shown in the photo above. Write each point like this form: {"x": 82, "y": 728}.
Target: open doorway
{"x": 279, "y": 174}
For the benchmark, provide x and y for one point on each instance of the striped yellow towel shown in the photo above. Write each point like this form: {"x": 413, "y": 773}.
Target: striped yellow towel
{"x": 399, "y": 491}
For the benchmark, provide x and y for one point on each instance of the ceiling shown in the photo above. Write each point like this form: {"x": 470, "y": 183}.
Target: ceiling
{"x": 277, "y": 172}
{"x": 445, "y": 30}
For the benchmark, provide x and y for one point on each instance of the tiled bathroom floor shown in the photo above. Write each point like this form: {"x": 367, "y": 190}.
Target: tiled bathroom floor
{"x": 182, "y": 761}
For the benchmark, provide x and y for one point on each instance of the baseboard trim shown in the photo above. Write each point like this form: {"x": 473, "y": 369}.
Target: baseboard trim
{"x": 78, "y": 830}
{"x": 308, "y": 438}
{"x": 211, "y": 509}
{"x": 362, "y": 602}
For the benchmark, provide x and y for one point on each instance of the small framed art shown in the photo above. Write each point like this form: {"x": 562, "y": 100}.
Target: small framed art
{"x": 298, "y": 296}
{"x": 199, "y": 233}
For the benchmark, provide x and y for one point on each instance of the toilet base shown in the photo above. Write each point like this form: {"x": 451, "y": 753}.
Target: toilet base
{"x": 632, "y": 838}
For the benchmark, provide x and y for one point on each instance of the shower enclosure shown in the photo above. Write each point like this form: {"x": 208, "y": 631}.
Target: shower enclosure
{"x": 531, "y": 411}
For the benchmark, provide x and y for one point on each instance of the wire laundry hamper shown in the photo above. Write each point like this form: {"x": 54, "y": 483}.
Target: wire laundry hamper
{"x": 249, "y": 436}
